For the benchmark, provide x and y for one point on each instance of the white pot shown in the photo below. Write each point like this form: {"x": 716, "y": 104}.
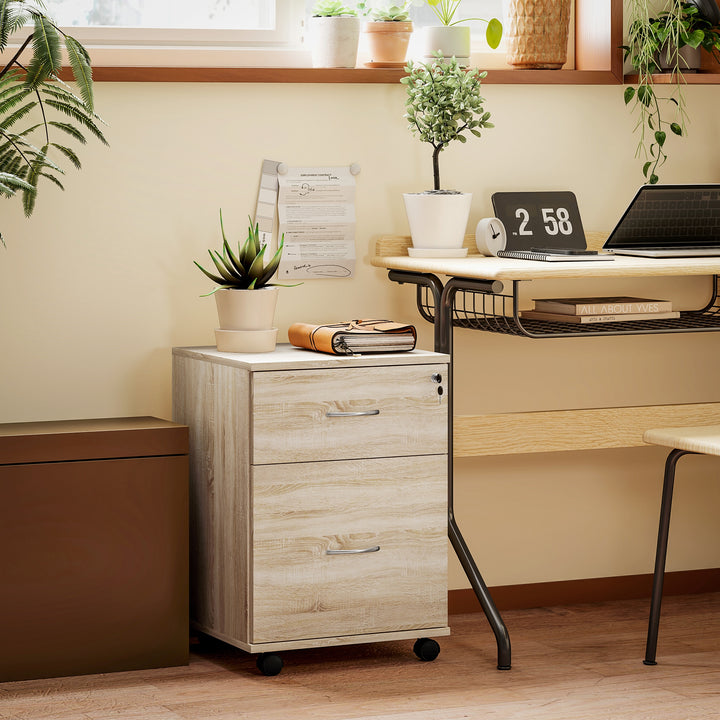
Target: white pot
{"x": 334, "y": 41}
{"x": 450, "y": 40}
{"x": 438, "y": 221}
{"x": 246, "y": 309}
{"x": 246, "y": 341}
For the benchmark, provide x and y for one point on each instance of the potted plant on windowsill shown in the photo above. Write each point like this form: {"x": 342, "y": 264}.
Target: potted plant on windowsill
{"x": 451, "y": 38}
{"x": 245, "y": 297}
{"x": 388, "y": 34}
{"x": 443, "y": 102}
{"x": 657, "y": 44}
{"x": 37, "y": 110}
{"x": 335, "y": 33}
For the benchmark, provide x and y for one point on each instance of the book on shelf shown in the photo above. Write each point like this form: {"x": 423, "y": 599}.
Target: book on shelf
{"x": 589, "y": 319}
{"x": 602, "y": 305}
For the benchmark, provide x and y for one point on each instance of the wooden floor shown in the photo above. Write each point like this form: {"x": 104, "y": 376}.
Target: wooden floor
{"x": 576, "y": 663}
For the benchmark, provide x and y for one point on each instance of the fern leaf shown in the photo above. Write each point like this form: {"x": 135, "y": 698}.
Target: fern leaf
{"x": 68, "y": 153}
{"x": 69, "y": 129}
{"x": 46, "y": 60}
{"x": 82, "y": 72}
{"x": 78, "y": 116}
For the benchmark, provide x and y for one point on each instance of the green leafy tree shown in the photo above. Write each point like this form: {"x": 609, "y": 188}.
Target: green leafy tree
{"x": 444, "y": 102}
{"x": 38, "y": 111}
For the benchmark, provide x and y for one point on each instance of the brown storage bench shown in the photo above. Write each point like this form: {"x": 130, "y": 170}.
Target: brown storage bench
{"x": 93, "y": 546}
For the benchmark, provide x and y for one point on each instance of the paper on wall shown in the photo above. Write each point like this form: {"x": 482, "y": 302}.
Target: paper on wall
{"x": 316, "y": 212}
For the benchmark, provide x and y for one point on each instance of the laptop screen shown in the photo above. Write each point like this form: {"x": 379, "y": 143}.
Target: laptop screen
{"x": 669, "y": 217}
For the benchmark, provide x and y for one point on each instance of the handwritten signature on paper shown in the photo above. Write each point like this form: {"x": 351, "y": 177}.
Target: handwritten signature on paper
{"x": 322, "y": 270}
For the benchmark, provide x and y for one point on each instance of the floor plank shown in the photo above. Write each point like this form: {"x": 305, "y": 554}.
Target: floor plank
{"x": 580, "y": 662}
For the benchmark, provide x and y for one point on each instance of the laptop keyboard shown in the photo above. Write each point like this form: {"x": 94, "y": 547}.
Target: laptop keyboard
{"x": 689, "y": 215}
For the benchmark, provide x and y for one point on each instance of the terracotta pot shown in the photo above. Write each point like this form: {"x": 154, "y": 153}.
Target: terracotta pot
{"x": 387, "y": 42}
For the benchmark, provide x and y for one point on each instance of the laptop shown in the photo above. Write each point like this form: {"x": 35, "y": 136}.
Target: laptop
{"x": 669, "y": 221}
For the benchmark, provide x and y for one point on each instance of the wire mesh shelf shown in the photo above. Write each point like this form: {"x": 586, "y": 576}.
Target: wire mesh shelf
{"x": 500, "y": 313}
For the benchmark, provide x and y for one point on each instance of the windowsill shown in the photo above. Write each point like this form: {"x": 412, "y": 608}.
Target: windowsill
{"x": 336, "y": 75}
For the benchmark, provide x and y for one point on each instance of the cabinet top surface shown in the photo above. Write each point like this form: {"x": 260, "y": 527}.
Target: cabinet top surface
{"x": 288, "y": 357}
{"x": 493, "y": 268}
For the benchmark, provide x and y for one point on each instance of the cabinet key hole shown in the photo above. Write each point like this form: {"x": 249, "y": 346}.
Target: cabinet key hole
{"x": 436, "y": 377}
{"x": 441, "y": 390}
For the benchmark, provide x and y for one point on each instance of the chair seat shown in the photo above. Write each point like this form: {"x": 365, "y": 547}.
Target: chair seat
{"x": 700, "y": 439}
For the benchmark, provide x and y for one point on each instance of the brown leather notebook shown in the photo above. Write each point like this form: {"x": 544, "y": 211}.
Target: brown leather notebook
{"x": 354, "y": 337}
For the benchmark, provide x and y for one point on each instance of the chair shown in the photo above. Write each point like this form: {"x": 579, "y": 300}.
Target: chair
{"x": 683, "y": 441}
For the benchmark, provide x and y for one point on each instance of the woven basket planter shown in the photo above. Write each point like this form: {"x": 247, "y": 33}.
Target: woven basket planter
{"x": 538, "y": 33}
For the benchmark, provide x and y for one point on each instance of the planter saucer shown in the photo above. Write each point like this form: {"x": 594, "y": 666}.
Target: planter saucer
{"x": 437, "y": 252}
{"x": 385, "y": 64}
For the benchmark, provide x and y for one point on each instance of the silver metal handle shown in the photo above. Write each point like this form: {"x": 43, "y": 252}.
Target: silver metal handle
{"x": 375, "y": 548}
{"x": 356, "y": 413}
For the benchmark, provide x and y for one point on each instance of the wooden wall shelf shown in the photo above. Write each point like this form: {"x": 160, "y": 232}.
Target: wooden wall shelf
{"x": 598, "y": 61}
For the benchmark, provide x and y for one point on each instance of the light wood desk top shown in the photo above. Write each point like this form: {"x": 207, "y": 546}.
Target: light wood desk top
{"x": 391, "y": 253}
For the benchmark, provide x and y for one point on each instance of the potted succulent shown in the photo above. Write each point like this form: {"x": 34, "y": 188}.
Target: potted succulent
{"x": 388, "y": 34}
{"x": 452, "y": 39}
{"x": 245, "y": 297}
{"x": 335, "y": 33}
{"x": 443, "y": 103}
{"x": 657, "y": 44}
{"x": 37, "y": 110}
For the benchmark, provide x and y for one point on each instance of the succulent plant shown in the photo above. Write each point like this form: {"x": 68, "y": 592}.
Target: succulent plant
{"x": 245, "y": 270}
{"x": 331, "y": 8}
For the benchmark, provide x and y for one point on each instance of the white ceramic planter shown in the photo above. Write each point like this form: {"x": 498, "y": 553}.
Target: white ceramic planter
{"x": 334, "y": 41}
{"x": 450, "y": 40}
{"x": 437, "y": 221}
{"x": 246, "y": 320}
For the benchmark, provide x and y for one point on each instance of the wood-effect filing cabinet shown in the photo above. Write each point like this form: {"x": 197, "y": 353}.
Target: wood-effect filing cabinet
{"x": 318, "y": 497}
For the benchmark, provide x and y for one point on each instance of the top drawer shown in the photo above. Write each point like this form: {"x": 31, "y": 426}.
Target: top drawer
{"x": 348, "y": 413}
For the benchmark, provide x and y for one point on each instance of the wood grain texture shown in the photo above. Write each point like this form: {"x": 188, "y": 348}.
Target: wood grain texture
{"x": 554, "y": 430}
{"x": 290, "y": 422}
{"x": 699, "y": 439}
{"x": 212, "y": 400}
{"x": 572, "y": 662}
{"x": 300, "y": 511}
{"x": 507, "y": 269}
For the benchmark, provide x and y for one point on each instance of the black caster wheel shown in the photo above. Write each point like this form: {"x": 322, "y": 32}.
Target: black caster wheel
{"x": 426, "y": 649}
{"x": 269, "y": 664}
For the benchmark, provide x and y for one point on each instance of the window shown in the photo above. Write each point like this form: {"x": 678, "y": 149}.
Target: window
{"x": 185, "y": 32}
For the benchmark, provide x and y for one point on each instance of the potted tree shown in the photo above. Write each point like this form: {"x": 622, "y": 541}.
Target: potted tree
{"x": 245, "y": 297}
{"x": 388, "y": 34}
{"x": 335, "y": 33}
{"x": 443, "y": 103}
{"x": 451, "y": 38}
{"x": 37, "y": 109}
{"x": 659, "y": 44}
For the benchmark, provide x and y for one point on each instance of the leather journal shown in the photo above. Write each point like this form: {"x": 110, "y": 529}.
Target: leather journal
{"x": 354, "y": 337}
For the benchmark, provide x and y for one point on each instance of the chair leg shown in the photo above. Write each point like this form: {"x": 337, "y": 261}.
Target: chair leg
{"x": 661, "y": 554}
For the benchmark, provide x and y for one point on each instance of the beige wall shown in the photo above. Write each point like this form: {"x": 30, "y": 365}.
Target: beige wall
{"x": 98, "y": 286}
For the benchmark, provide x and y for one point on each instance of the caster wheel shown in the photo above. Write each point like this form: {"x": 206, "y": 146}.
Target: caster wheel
{"x": 426, "y": 649}
{"x": 269, "y": 664}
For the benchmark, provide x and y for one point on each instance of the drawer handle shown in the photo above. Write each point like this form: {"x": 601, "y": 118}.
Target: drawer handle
{"x": 356, "y": 413}
{"x": 374, "y": 548}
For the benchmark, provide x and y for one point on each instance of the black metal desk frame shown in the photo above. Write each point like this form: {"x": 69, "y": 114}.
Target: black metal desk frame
{"x": 481, "y": 305}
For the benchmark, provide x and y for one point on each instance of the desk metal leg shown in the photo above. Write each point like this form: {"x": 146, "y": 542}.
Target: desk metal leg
{"x": 443, "y": 299}
{"x": 661, "y": 554}
{"x": 444, "y": 338}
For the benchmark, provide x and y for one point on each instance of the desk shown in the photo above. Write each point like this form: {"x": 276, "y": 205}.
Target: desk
{"x": 473, "y": 297}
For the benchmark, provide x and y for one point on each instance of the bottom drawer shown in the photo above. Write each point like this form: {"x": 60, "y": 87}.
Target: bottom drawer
{"x": 304, "y": 513}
